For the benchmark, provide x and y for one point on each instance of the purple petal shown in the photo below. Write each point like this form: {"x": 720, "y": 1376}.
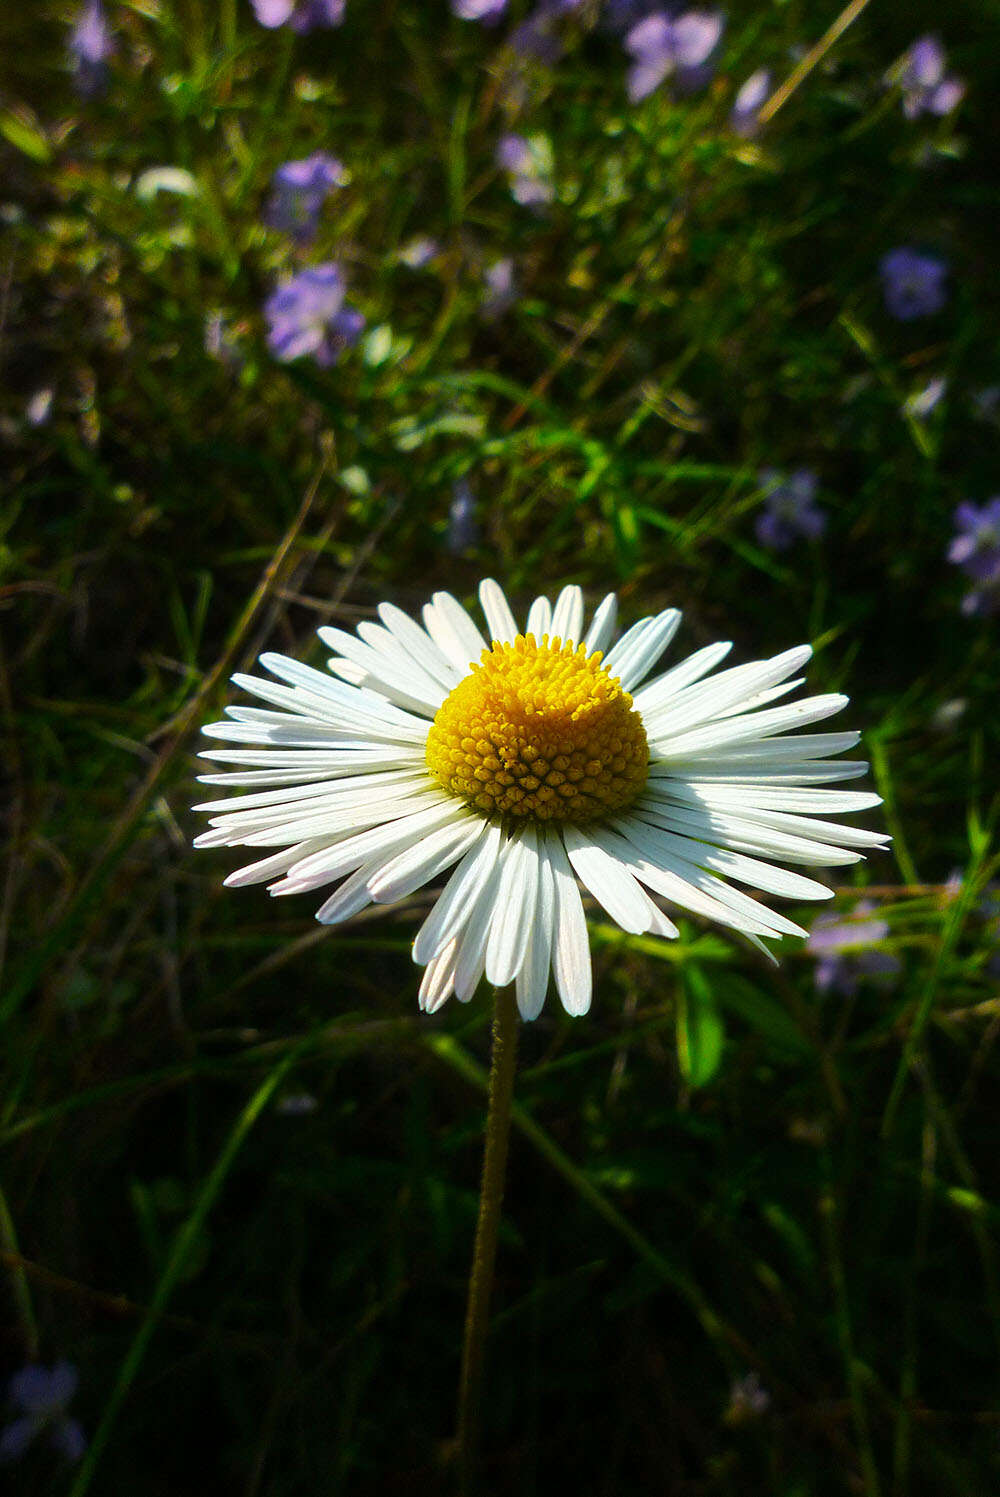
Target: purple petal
{"x": 695, "y": 36}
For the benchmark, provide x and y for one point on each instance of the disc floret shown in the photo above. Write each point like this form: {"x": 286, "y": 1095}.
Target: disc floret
{"x": 539, "y": 732}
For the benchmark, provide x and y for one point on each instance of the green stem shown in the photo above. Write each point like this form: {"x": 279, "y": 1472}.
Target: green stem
{"x": 477, "y": 1314}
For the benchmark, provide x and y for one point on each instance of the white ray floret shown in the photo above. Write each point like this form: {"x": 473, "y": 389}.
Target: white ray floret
{"x": 340, "y": 789}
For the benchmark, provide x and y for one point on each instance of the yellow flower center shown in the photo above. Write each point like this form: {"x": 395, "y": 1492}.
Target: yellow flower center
{"x": 539, "y": 732}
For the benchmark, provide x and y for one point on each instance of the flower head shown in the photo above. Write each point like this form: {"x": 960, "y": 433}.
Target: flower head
{"x": 308, "y": 318}
{"x": 663, "y": 46}
{"x": 744, "y": 117}
{"x": 914, "y": 284}
{"x": 790, "y": 509}
{"x": 301, "y": 15}
{"x": 976, "y": 549}
{"x": 523, "y": 762}
{"x": 90, "y": 49}
{"x": 921, "y": 76}
{"x": 41, "y": 1395}
{"x": 528, "y": 162}
{"x": 298, "y": 191}
{"x": 845, "y": 949}
{"x": 420, "y": 252}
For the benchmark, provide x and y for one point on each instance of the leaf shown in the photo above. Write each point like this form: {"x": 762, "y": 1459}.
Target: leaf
{"x": 27, "y": 137}
{"x": 700, "y": 1030}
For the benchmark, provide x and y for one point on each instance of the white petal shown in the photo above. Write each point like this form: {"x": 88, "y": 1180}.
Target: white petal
{"x": 415, "y": 866}
{"x": 331, "y": 762}
{"x": 394, "y": 675}
{"x": 533, "y": 979}
{"x": 333, "y": 823}
{"x": 290, "y": 794}
{"x": 539, "y": 619}
{"x": 379, "y": 842}
{"x": 602, "y": 625}
{"x": 611, "y": 884}
{"x": 438, "y": 981}
{"x": 634, "y": 662}
{"x": 732, "y": 730}
{"x": 805, "y": 746}
{"x": 709, "y": 699}
{"x": 746, "y": 836}
{"x": 671, "y": 682}
{"x": 352, "y": 896}
{"x": 516, "y": 902}
{"x": 458, "y": 896}
{"x": 571, "y": 946}
{"x": 782, "y": 797}
{"x": 453, "y": 631}
{"x": 470, "y": 959}
{"x": 358, "y": 701}
{"x": 268, "y": 868}
{"x": 497, "y": 610}
{"x": 567, "y": 616}
{"x": 428, "y": 655}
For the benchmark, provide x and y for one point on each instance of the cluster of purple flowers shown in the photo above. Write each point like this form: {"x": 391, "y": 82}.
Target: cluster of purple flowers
{"x": 846, "y": 948}
{"x": 298, "y": 191}
{"x": 976, "y": 549}
{"x": 301, "y": 15}
{"x": 790, "y": 510}
{"x": 925, "y": 86}
{"x": 308, "y": 318}
{"x": 913, "y": 284}
{"x": 39, "y": 1398}
{"x": 665, "y": 46}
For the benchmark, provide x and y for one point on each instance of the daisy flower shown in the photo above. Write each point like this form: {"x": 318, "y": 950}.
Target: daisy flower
{"x": 526, "y": 762}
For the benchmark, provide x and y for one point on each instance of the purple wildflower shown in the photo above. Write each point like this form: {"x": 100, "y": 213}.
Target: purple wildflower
{"x": 538, "y": 34}
{"x": 922, "y": 402}
{"x": 308, "y": 318}
{"x": 914, "y": 285}
{"x": 90, "y": 49}
{"x": 843, "y": 948}
{"x": 42, "y": 1395}
{"x": 663, "y": 45}
{"x": 301, "y": 15}
{"x": 463, "y": 531}
{"x": 976, "y": 549}
{"x": 748, "y": 1400}
{"x": 489, "y": 11}
{"x": 528, "y": 162}
{"x": 744, "y": 117}
{"x": 298, "y": 191}
{"x": 921, "y": 76}
{"x": 418, "y": 253}
{"x": 501, "y": 288}
{"x": 790, "y": 509}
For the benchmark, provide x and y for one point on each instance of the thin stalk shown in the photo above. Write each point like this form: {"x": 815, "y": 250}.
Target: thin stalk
{"x": 477, "y": 1314}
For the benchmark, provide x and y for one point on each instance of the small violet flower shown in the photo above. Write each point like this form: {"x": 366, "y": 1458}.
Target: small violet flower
{"x": 298, "y": 191}
{"x": 307, "y": 317}
{"x": 420, "y": 252}
{"x": 489, "y": 11}
{"x": 843, "y": 946}
{"x": 744, "y": 117}
{"x": 976, "y": 549}
{"x": 921, "y": 77}
{"x": 90, "y": 49}
{"x": 663, "y": 45}
{"x": 914, "y": 284}
{"x": 463, "y": 531}
{"x": 41, "y": 1396}
{"x": 790, "y": 509}
{"x": 501, "y": 288}
{"x": 922, "y": 402}
{"x": 301, "y": 15}
{"x": 748, "y": 1400}
{"x": 528, "y": 162}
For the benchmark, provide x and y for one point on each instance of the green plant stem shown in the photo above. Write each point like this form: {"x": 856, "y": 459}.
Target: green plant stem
{"x": 477, "y": 1314}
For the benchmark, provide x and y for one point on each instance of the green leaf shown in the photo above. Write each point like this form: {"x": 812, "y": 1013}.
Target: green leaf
{"x": 700, "y": 1030}
{"x": 26, "y": 137}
